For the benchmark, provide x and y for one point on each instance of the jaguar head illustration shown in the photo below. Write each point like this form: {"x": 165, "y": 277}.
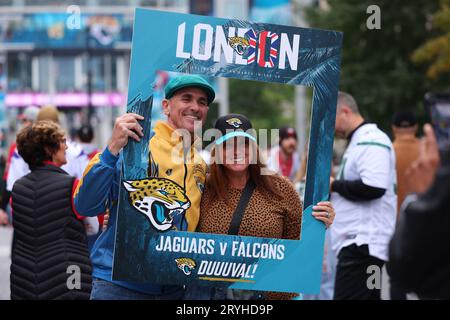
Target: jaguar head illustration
{"x": 186, "y": 265}
{"x": 161, "y": 200}
{"x": 239, "y": 44}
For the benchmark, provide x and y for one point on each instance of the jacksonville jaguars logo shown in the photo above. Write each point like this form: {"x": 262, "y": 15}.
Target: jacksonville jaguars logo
{"x": 186, "y": 265}
{"x": 161, "y": 200}
{"x": 235, "y": 122}
{"x": 239, "y": 44}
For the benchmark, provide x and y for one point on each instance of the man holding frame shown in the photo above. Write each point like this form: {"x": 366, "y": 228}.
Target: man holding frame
{"x": 187, "y": 101}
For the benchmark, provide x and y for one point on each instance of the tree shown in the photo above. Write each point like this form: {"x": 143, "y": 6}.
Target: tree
{"x": 262, "y": 102}
{"x": 267, "y": 105}
{"x": 436, "y": 51}
{"x": 376, "y": 64}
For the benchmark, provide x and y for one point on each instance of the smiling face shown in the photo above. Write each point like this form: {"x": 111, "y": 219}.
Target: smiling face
{"x": 187, "y": 106}
{"x": 236, "y": 154}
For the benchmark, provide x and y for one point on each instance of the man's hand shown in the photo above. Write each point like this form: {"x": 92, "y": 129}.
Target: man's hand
{"x": 124, "y": 127}
{"x": 420, "y": 175}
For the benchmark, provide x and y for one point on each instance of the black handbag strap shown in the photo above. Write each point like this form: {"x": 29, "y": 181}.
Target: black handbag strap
{"x": 240, "y": 208}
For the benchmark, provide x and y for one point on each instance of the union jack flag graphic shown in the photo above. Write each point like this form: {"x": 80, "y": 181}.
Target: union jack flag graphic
{"x": 260, "y": 50}
{"x": 252, "y": 48}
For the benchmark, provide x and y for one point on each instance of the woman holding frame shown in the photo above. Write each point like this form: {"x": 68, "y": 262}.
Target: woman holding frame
{"x": 243, "y": 198}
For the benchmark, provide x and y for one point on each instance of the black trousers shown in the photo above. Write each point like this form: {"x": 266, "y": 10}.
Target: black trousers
{"x": 352, "y": 274}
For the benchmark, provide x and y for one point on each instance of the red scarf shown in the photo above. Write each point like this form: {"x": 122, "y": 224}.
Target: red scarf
{"x": 285, "y": 166}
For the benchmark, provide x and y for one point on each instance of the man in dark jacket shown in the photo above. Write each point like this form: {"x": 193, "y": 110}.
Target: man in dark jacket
{"x": 419, "y": 255}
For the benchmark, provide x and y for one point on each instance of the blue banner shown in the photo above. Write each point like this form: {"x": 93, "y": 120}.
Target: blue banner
{"x": 64, "y": 30}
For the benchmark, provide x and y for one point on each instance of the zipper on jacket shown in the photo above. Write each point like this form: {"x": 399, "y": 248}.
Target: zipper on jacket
{"x": 185, "y": 170}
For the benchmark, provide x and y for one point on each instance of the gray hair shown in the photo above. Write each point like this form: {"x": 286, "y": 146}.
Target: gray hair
{"x": 347, "y": 99}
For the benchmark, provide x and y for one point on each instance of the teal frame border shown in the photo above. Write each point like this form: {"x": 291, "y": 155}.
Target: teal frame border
{"x": 318, "y": 66}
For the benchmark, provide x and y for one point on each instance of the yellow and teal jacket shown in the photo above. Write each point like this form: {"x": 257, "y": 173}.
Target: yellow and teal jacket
{"x": 177, "y": 176}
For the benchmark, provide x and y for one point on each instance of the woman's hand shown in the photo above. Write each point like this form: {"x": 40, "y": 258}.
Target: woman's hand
{"x": 324, "y": 211}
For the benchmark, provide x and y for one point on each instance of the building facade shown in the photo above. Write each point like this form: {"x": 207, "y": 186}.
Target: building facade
{"x": 73, "y": 55}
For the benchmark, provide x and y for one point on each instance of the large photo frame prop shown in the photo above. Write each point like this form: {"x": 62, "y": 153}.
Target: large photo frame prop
{"x": 215, "y": 47}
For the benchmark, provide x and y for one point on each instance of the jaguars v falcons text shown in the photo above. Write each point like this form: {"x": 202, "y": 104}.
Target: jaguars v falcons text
{"x": 211, "y": 247}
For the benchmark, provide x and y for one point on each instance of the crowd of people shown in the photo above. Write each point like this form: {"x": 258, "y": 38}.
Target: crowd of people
{"x": 63, "y": 195}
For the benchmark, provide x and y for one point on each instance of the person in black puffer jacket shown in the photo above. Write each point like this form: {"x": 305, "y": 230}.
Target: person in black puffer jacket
{"x": 50, "y": 258}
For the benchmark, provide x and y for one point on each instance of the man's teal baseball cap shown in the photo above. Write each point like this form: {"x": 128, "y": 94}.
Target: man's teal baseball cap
{"x": 190, "y": 80}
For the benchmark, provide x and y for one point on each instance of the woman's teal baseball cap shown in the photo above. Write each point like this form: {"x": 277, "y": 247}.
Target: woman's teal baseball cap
{"x": 190, "y": 80}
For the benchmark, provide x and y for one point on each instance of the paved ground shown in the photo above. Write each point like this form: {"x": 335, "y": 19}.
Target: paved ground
{"x": 5, "y": 261}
